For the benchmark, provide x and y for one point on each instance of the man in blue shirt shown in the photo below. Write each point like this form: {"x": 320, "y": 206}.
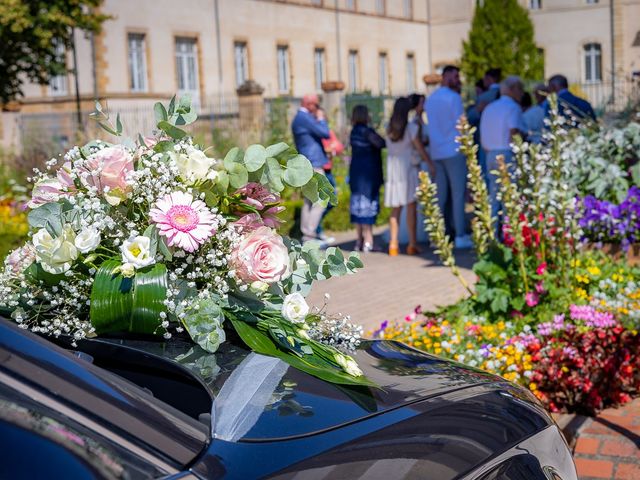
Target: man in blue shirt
{"x": 575, "y": 109}
{"x": 309, "y": 127}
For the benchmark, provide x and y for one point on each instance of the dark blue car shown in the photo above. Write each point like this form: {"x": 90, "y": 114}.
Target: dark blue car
{"x": 139, "y": 408}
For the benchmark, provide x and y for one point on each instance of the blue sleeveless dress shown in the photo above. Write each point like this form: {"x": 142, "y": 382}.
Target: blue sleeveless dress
{"x": 365, "y": 174}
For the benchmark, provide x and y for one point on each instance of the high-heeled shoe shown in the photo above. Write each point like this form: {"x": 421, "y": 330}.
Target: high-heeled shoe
{"x": 413, "y": 250}
{"x": 393, "y": 250}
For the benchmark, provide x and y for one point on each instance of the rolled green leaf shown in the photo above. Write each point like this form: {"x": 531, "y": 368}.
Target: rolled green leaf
{"x": 120, "y": 304}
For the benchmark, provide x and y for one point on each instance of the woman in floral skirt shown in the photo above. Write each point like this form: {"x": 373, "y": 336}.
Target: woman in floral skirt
{"x": 365, "y": 176}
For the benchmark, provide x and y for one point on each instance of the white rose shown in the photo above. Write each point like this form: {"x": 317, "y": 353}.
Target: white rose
{"x": 136, "y": 251}
{"x": 193, "y": 166}
{"x": 55, "y": 254}
{"x": 348, "y": 364}
{"x": 87, "y": 240}
{"x": 295, "y": 308}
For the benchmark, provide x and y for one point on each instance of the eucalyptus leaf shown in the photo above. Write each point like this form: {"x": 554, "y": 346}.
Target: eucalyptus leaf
{"x": 277, "y": 149}
{"x": 274, "y": 172}
{"x": 254, "y": 157}
{"x": 298, "y": 172}
{"x": 232, "y": 157}
{"x": 40, "y": 216}
{"x": 174, "y": 132}
{"x": 238, "y": 175}
{"x": 160, "y": 112}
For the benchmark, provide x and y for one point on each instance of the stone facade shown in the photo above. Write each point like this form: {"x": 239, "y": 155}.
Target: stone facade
{"x": 370, "y": 45}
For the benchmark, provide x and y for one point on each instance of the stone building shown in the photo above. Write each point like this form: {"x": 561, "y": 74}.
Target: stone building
{"x": 208, "y": 48}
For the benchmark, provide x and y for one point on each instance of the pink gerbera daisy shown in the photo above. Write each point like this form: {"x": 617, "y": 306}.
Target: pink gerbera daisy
{"x": 187, "y": 223}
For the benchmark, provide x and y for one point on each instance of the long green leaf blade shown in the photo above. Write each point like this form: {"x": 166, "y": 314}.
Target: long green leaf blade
{"x": 111, "y": 299}
{"x": 149, "y": 293}
{"x": 312, "y": 364}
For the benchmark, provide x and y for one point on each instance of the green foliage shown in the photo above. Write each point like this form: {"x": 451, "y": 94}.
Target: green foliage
{"x": 501, "y": 36}
{"x": 120, "y": 304}
{"x": 321, "y": 363}
{"x": 30, "y": 31}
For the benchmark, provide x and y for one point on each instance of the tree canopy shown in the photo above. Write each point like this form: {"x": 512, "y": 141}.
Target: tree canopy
{"x": 502, "y": 36}
{"x": 31, "y": 32}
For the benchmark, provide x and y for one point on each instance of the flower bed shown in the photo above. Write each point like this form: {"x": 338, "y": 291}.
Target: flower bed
{"x": 544, "y": 311}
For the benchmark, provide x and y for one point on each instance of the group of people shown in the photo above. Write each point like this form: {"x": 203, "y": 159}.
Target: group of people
{"x": 502, "y": 110}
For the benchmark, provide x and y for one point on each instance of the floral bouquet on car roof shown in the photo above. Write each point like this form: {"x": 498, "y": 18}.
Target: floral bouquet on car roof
{"x": 153, "y": 236}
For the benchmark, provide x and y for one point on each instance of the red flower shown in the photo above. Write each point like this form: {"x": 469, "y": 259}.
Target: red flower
{"x": 541, "y": 268}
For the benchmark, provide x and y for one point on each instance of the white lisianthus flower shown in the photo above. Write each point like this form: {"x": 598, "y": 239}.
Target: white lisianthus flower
{"x": 127, "y": 270}
{"x": 295, "y": 308}
{"x": 55, "y": 255}
{"x": 87, "y": 240}
{"x": 136, "y": 251}
{"x": 348, "y": 364}
{"x": 193, "y": 166}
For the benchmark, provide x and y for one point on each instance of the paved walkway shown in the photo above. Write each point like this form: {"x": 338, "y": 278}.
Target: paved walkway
{"x": 388, "y": 288}
{"x": 608, "y": 445}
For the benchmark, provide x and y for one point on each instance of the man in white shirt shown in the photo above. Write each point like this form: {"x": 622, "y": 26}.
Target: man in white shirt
{"x": 500, "y": 121}
{"x": 444, "y": 109}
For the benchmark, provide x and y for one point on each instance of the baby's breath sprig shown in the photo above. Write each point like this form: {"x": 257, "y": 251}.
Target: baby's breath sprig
{"x": 482, "y": 225}
{"x": 427, "y": 194}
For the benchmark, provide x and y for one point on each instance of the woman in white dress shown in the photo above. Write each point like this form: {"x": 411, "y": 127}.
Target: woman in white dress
{"x": 404, "y": 153}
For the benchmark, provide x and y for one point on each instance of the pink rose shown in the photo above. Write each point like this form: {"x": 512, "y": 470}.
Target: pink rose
{"x": 108, "y": 169}
{"x": 53, "y": 189}
{"x": 261, "y": 256}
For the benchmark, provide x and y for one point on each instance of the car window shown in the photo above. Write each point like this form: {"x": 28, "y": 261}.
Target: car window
{"x": 19, "y": 447}
{"x": 63, "y": 449}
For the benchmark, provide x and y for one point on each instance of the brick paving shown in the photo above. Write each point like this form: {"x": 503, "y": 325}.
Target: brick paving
{"x": 388, "y": 288}
{"x": 608, "y": 446}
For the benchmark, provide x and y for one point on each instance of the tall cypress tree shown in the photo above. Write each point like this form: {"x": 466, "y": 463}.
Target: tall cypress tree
{"x": 501, "y": 36}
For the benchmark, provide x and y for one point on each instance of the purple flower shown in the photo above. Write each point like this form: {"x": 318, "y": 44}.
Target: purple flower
{"x": 604, "y": 222}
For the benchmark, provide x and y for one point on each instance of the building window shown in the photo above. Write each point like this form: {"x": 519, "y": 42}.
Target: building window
{"x": 241, "y": 60}
{"x": 317, "y": 3}
{"x": 383, "y": 72}
{"x": 592, "y": 2}
{"x": 351, "y": 4}
{"x": 59, "y": 84}
{"x": 353, "y": 70}
{"x": 319, "y": 61}
{"x": 411, "y": 72}
{"x": 535, "y": 4}
{"x": 407, "y": 8}
{"x": 187, "y": 67}
{"x": 593, "y": 62}
{"x": 380, "y": 7}
{"x": 283, "y": 69}
{"x": 137, "y": 62}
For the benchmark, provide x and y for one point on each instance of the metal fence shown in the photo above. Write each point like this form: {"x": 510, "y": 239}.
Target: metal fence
{"x": 224, "y": 120}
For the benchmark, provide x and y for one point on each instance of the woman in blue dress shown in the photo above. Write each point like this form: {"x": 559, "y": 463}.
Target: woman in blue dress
{"x": 365, "y": 176}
